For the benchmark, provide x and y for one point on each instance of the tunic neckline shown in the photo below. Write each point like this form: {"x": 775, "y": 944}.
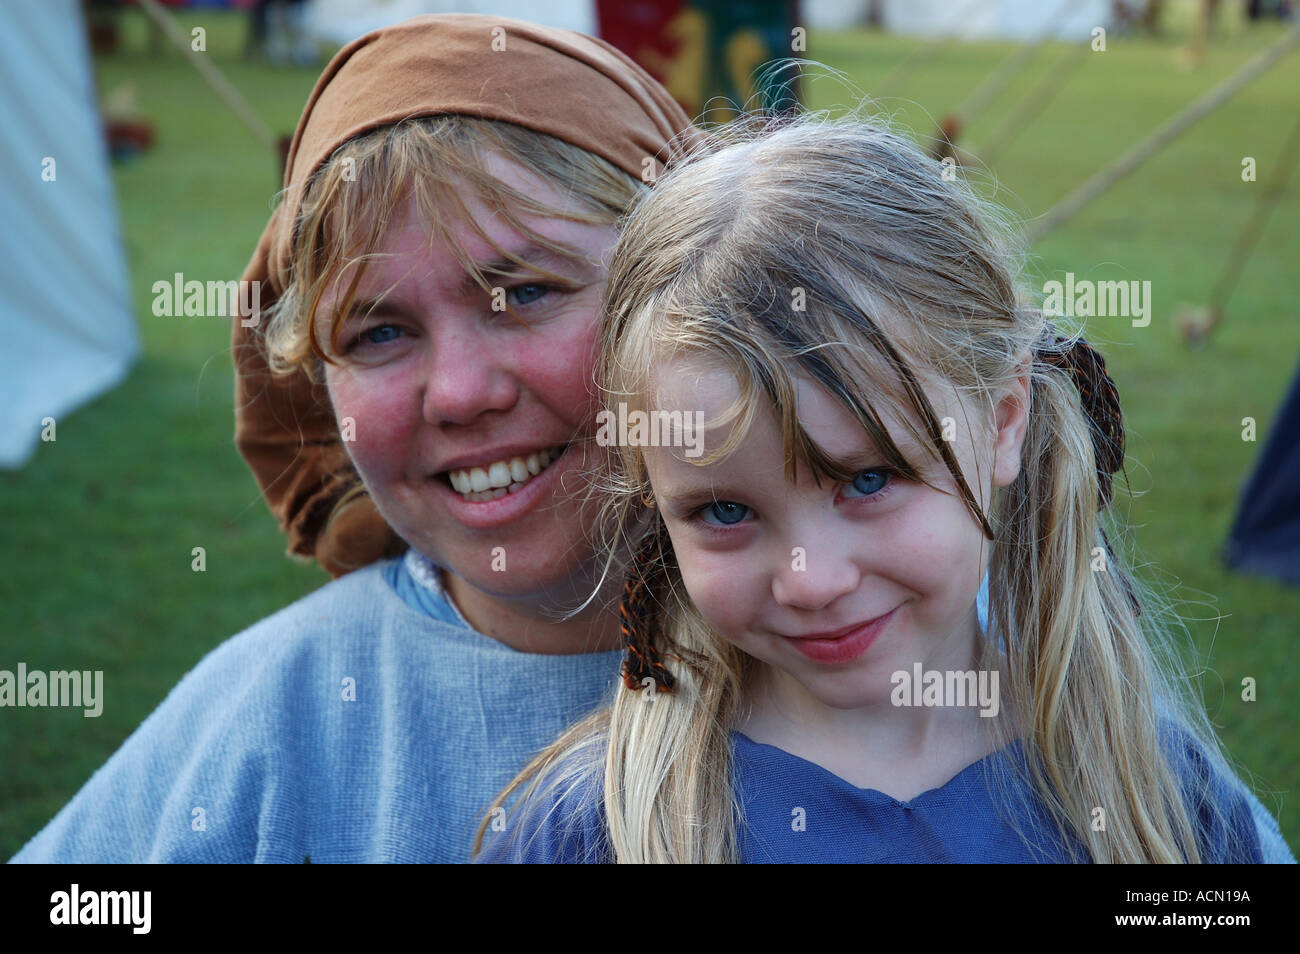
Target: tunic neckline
{"x": 797, "y": 766}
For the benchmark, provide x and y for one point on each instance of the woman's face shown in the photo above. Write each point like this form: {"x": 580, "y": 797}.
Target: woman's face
{"x": 446, "y": 394}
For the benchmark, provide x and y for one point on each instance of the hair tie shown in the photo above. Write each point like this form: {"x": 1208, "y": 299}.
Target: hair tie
{"x": 1100, "y": 398}
{"x": 639, "y": 610}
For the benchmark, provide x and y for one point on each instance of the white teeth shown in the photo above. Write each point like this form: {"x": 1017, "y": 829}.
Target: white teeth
{"x": 502, "y": 476}
{"x": 499, "y": 474}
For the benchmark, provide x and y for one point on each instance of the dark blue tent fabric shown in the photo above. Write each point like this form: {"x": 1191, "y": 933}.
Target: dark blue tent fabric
{"x": 1266, "y": 536}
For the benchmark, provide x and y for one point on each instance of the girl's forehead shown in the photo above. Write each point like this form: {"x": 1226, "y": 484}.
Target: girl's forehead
{"x": 706, "y": 383}
{"x": 696, "y": 384}
{"x": 702, "y": 383}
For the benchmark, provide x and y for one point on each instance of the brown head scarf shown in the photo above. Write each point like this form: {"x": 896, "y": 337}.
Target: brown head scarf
{"x": 573, "y": 87}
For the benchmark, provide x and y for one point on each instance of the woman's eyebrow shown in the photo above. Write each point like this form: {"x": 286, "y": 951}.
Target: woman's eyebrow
{"x": 378, "y": 307}
{"x": 534, "y": 257}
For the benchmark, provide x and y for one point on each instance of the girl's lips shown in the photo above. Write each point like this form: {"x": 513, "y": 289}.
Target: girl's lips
{"x": 845, "y": 648}
{"x": 486, "y": 514}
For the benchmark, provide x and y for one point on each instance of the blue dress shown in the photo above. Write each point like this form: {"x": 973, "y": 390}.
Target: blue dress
{"x": 792, "y": 811}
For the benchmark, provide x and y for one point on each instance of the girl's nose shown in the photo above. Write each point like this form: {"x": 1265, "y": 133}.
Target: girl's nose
{"x": 464, "y": 379}
{"x": 812, "y": 578}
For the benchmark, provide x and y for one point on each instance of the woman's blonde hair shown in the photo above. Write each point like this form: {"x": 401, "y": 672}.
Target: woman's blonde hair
{"x": 351, "y": 201}
{"x": 836, "y": 250}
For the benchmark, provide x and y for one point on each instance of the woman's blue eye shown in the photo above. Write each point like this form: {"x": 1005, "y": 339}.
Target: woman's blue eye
{"x": 379, "y": 334}
{"x": 527, "y": 294}
{"x": 870, "y": 482}
{"x": 726, "y": 512}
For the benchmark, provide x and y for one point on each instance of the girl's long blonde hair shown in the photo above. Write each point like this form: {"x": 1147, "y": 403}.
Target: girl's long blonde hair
{"x": 785, "y": 247}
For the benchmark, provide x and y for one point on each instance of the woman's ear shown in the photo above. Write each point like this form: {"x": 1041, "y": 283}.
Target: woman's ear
{"x": 1011, "y": 417}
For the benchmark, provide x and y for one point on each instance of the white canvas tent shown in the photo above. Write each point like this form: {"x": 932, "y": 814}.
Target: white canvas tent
{"x": 341, "y": 21}
{"x": 998, "y": 19}
{"x": 66, "y": 330}
{"x": 969, "y": 19}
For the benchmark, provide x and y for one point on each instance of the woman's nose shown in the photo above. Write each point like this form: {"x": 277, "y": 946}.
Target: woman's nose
{"x": 814, "y": 577}
{"x": 465, "y": 378}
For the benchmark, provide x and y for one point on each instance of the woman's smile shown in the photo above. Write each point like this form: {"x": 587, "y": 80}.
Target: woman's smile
{"x": 502, "y": 505}
{"x": 508, "y": 473}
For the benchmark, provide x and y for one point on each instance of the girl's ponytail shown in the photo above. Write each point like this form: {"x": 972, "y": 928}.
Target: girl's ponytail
{"x": 668, "y": 794}
{"x": 1081, "y": 677}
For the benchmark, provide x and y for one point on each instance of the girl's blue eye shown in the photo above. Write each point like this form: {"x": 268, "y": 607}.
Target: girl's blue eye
{"x": 726, "y": 512}
{"x": 870, "y": 482}
{"x": 527, "y": 294}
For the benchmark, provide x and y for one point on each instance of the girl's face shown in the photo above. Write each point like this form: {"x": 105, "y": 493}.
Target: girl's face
{"x": 448, "y": 394}
{"x": 835, "y": 587}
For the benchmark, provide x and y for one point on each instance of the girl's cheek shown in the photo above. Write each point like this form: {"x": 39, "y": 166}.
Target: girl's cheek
{"x": 720, "y": 589}
{"x": 941, "y": 550}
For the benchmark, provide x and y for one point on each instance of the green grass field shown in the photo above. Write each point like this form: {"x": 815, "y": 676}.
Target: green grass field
{"x": 95, "y": 557}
